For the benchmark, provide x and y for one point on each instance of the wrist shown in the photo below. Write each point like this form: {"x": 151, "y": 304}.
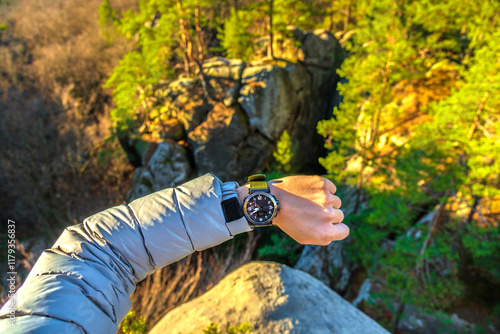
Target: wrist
{"x": 242, "y": 192}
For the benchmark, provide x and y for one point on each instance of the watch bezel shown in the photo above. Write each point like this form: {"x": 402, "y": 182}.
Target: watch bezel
{"x": 264, "y": 222}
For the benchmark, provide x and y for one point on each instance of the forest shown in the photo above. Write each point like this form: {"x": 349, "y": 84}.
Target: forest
{"x": 413, "y": 141}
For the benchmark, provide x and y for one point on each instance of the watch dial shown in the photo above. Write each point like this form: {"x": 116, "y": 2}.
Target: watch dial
{"x": 260, "y": 208}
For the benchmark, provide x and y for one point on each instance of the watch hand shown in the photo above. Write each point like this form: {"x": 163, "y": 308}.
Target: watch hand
{"x": 255, "y": 211}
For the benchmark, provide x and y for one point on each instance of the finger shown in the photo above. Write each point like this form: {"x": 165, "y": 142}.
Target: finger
{"x": 330, "y": 186}
{"x": 334, "y": 201}
{"x": 339, "y": 231}
{"x": 338, "y": 216}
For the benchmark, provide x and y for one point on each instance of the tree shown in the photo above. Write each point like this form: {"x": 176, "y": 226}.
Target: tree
{"x": 268, "y": 18}
{"x": 165, "y": 32}
{"x": 413, "y": 134}
{"x": 236, "y": 40}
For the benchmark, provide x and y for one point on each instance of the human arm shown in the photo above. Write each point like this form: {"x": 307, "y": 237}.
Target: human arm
{"x": 82, "y": 284}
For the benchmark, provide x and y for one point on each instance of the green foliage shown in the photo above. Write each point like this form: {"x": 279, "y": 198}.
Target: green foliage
{"x": 242, "y": 328}
{"x": 108, "y": 19}
{"x": 284, "y": 152}
{"x": 132, "y": 82}
{"x": 107, "y": 16}
{"x": 483, "y": 245}
{"x": 235, "y": 38}
{"x": 300, "y": 13}
{"x": 172, "y": 33}
{"x": 437, "y": 286}
{"x": 251, "y": 21}
{"x": 279, "y": 247}
{"x": 418, "y": 127}
{"x": 155, "y": 28}
{"x": 133, "y": 325}
{"x": 465, "y": 124}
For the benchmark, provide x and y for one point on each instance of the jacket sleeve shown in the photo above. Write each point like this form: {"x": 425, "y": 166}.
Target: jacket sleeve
{"x": 82, "y": 284}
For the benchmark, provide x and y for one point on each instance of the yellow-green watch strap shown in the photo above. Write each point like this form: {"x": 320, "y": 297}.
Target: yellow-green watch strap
{"x": 258, "y": 182}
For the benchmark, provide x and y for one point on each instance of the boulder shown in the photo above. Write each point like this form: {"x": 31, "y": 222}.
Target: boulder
{"x": 273, "y": 298}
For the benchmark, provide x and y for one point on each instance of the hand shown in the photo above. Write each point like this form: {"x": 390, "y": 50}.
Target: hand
{"x": 309, "y": 210}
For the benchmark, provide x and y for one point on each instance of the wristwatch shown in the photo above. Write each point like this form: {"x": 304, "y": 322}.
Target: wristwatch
{"x": 260, "y": 207}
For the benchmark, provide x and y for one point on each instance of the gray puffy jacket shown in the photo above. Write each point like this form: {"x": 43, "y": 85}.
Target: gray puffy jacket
{"x": 82, "y": 284}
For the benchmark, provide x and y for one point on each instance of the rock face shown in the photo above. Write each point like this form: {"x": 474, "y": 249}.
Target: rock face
{"x": 330, "y": 264}
{"x": 229, "y": 123}
{"x": 273, "y": 298}
{"x": 167, "y": 167}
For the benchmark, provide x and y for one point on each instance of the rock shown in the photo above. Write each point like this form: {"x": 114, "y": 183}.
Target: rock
{"x": 415, "y": 322}
{"x": 273, "y": 298}
{"x": 270, "y": 96}
{"x": 171, "y": 129}
{"x": 296, "y": 32}
{"x": 328, "y": 264}
{"x": 232, "y": 132}
{"x": 189, "y": 110}
{"x": 218, "y": 143}
{"x": 364, "y": 292}
{"x": 321, "y": 49}
{"x": 168, "y": 167}
{"x": 223, "y": 68}
{"x": 176, "y": 88}
{"x": 318, "y": 48}
{"x": 284, "y": 47}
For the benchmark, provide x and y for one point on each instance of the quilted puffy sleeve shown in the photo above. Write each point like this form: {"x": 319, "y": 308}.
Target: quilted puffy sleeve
{"x": 82, "y": 284}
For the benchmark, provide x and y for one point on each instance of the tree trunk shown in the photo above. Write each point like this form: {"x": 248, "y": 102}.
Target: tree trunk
{"x": 186, "y": 44}
{"x": 347, "y": 15}
{"x": 270, "y": 53}
{"x": 199, "y": 37}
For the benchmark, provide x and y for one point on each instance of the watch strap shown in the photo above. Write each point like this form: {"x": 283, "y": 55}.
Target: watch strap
{"x": 258, "y": 182}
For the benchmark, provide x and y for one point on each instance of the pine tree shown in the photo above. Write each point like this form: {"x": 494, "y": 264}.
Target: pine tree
{"x": 417, "y": 130}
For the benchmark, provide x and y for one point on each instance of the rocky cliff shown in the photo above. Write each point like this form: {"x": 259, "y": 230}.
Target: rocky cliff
{"x": 273, "y": 298}
{"x": 228, "y": 120}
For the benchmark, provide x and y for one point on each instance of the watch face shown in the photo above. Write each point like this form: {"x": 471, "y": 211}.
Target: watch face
{"x": 260, "y": 207}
